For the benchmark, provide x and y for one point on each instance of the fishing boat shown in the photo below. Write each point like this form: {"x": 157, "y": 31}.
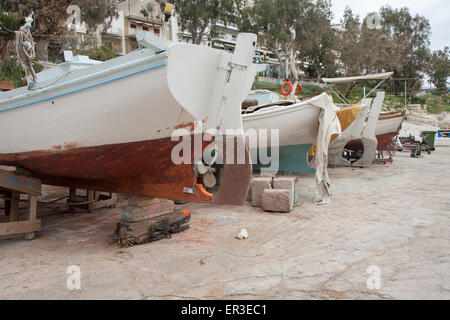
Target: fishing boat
{"x": 263, "y": 97}
{"x": 387, "y": 128}
{"x": 363, "y": 137}
{"x": 109, "y": 126}
{"x": 299, "y": 124}
{"x": 352, "y": 120}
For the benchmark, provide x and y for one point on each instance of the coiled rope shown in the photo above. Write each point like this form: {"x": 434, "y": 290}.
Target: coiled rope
{"x": 25, "y": 49}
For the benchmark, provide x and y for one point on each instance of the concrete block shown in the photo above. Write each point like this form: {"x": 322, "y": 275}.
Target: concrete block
{"x": 277, "y": 200}
{"x": 289, "y": 183}
{"x": 258, "y": 185}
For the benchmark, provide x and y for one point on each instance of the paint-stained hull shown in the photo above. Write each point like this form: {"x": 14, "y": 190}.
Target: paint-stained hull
{"x": 140, "y": 168}
{"x": 388, "y": 126}
{"x": 385, "y": 143}
{"x": 108, "y": 127}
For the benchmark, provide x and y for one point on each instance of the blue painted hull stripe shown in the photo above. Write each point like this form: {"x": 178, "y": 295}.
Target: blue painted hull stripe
{"x": 92, "y": 85}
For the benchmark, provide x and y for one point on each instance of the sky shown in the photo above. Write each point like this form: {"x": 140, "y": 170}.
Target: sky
{"x": 436, "y": 11}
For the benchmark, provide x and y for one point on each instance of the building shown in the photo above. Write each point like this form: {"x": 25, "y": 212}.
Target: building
{"x": 146, "y": 15}
{"x": 133, "y": 16}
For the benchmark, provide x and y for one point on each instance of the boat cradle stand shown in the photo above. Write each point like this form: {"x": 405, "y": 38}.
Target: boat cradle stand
{"x": 12, "y": 185}
{"x": 91, "y": 201}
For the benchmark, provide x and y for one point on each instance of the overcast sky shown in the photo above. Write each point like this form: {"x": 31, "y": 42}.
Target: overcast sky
{"x": 436, "y": 11}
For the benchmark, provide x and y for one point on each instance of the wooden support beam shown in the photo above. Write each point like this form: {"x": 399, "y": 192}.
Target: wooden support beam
{"x": 31, "y": 212}
{"x": 91, "y": 201}
{"x": 12, "y": 181}
{"x": 12, "y": 184}
{"x": 19, "y": 227}
{"x": 14, "y": 206}
{"x": 32, "y": 207}
{"x": 91, "y": 198}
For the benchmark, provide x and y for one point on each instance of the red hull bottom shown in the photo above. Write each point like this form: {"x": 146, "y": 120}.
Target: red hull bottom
{"x": 139, "y": 168}
{"x": 385, "y": 143}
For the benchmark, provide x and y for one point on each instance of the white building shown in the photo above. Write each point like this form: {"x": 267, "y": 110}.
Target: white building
{"x": 133, "y": 16}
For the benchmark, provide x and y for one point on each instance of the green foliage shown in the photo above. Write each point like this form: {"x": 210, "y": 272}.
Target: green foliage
{"x": 315, "y": 41}
{"x": 307, "y": 88}
{"x": 317, "y": 45}
{"x": 103, "y": 53}
{"x": 12, "y": 71}
{"x": 50, "y": 15}
{"x": 97, "y": 12}
{"x": 196, "y": 15}
{"x": 401, "y": 45}
{"x": 432, "y": 102}
{"x": 11, "y": 22}
{"x": 407, "y": 52}
{"x": 272, "y": 19}
{"x": 440, "y": 70}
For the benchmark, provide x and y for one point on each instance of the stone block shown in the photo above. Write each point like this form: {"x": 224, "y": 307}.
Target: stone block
{"x": 258, "y": 185}
{"x": 289, "y": 183}
{"x": 277, "y": 200}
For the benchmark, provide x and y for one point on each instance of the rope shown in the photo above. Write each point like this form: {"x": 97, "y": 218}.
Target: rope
{"x": 25, "y": 49}
{"x": 53, "y": 82}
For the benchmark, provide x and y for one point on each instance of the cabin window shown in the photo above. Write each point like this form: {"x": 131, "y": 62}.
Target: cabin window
{"x": 132, "y": 26}
{"x": 156, "y": 31}
{"x": 145, "y": 28}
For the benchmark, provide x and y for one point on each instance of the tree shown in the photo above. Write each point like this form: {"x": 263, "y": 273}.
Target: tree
{"x": 199, "y": 17}
{"x": 400, "y": 45}
{"x": 96, "y": 13}
{"x": 349, "y": 44}
{"x": 12, "y": 23}
{"x": 272, "y": 19}
{"x": 51, "y": 17}
{"x": 316, "y": 40}
{"x": 408, "y": 52}
{"x": 440, "y": 70}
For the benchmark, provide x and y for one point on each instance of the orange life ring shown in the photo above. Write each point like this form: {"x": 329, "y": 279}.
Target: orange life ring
{"x": 299, "y": 89}
{"x": 286, "y": 93}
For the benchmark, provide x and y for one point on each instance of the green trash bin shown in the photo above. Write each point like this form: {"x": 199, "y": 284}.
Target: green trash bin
{"x": 429, "y": 137}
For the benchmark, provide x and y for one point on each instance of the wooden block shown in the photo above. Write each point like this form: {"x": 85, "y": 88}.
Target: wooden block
{"x": 141, "y": 230}
{"x": 144, "y": 201}
{"x": 32, "y": 207}
{"x": 289, "y": 183}
{"x": 6, "y": 85}
{"x": 104, "y": 203}
{"x": 14, "y": 206}
{"x": 135, "y": 214}
{"x": 13, "y": 181}
{"x": 19, "y": 227}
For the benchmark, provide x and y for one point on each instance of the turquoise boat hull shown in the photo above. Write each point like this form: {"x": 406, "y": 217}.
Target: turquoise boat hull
{"x": 291, "y": 159}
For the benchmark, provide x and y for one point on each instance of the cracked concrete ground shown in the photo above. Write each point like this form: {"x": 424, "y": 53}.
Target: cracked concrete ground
{"x": 394, "y": 216}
